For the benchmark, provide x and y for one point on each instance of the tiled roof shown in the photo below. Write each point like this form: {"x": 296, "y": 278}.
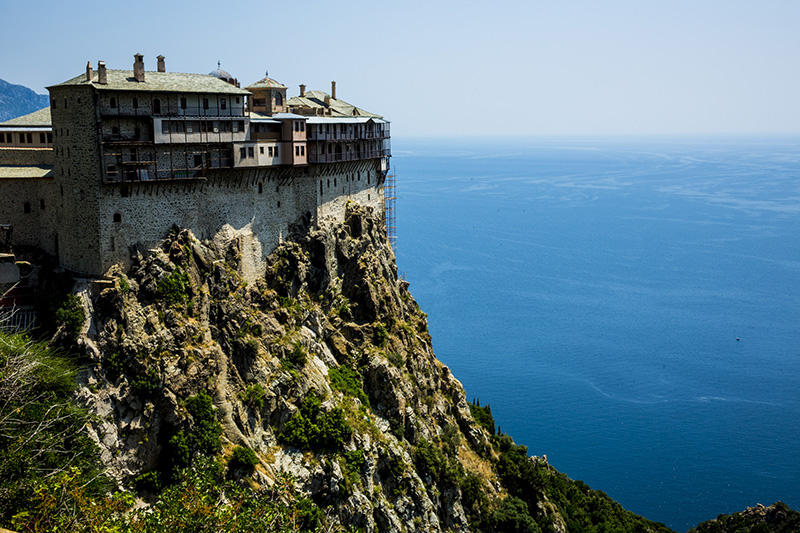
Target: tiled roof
{"x": 12, "y": 172}
{"x": 267, "y": 83}
{"x": 340, "y": 108}
{"x": 123, "y": 80}
{"x": 39, "y": 118}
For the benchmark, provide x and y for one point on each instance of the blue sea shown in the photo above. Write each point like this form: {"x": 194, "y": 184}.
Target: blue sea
{"x": 629, "y": 307}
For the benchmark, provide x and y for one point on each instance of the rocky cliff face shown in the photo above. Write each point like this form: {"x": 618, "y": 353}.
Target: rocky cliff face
{"x": 324, "y": 368}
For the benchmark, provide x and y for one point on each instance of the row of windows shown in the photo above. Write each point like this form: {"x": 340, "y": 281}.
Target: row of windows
{"x": 299, "y": 126}
{"x": 202, "y": 126}
{"x": 223, "y": 103}
{"x": 26, "y": 138}
{"x": 249, "y": 151}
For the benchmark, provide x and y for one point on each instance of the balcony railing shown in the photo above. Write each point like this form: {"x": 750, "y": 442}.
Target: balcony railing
{"x": 354, "y": 155}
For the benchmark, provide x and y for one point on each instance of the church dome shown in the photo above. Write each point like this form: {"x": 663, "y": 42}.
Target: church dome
{"x": 224, "y": 75}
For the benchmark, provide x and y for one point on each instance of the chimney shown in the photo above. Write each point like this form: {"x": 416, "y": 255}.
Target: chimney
{"x": 162, "y": 67}
{"x": 89, "y": 72}
{"x": 138, "y": 67}
{"x": 302, "y": 90}
{"x": 102, "y": 77}
{"x": 333, "y": 90}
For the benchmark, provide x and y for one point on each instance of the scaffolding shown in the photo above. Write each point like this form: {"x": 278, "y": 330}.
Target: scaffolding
{"x": 389, "y": 214}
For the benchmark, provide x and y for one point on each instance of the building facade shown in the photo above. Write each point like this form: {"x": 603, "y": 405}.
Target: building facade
{"x": 128, "y": 154}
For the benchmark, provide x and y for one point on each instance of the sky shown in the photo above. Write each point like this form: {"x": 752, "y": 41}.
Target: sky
{"x": 441, "y": 68}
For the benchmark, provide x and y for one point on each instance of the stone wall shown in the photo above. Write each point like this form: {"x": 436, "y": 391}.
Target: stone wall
{"x": 256, "y": 205}
{"x": 26, "y": 156}
{"x": 31, "y": 206}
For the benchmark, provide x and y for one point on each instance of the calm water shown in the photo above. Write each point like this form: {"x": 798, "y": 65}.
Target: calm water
{"x": 592, "y": 291}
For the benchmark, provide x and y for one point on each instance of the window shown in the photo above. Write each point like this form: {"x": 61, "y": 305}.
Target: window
{"x": 237, "y": 99}
{"x": 261, "y": 185}
{"x": 179, "y": 127}
{"x": 156, "y": 106}
{"x": 270, "y": 151}
{"x": 276, "y": 151}
{"x": 112, "y": 103}
{"x": 190, "y": 127}
{"x": 302, "y": 126}
{"x": 183, "y": 103}
{"x": 53, "y": 103}
{"x": 205, "y": 103}
{"x": 41, "y": 138}
{"x": 259, "y": 102}
{"x": 26, "y": 207}
{"x": 117, "y": 218}
{"x": 223, "y": 104}
{"x": 302, "y": 150}
{"x": 297, "y": 150}
{"x": 164, "y": 126}
{"x": 49, "y": 138}
{"x": 241, "y": 125}
{"x": 296, "y": 126}
{"x": 242, "y": 152}
{"x": 65, "y": 102}
{"x": 114, "y": 130}
{"x": 22, "y": 138}
{"x": 41, "y": 204}
{"x": 225, "y": 126}
{"x": 261, "y": 150}
{"x": 250, "y": 152}
{"x": 278, "y": 99}
{"x": 135, "y": 103}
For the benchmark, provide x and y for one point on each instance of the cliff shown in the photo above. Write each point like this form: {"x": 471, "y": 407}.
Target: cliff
{"x": 321, "y": 370}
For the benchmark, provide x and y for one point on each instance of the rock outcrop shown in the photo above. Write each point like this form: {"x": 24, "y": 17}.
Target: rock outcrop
{"x": 329, "y": 320}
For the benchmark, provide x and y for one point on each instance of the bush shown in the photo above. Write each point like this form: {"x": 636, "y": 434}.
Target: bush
{"x": 313, "y": 429}
{"x": 513, "y": 517}
{"x": 381, "y": 335}
{"x": 348, "y": 381}
{"x": 243, "y": 459}
{"x": 71, "y": 316}
{"x": 483, "y": 416}
{"x": 205, "y": 436}
{"x": 296, "y": 359}
{"x": 253, "y": 396}
{"x": 173, "y": 289}
{"x": 146, "y": 385}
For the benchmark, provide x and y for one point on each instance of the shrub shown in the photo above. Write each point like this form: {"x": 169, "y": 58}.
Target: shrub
{"x": 513, "y": 517}
{"x": 71, "y": 316}
{"x": 243, "y": 459}
{"x": 296, "y": 359}
{"x": 146, "y": 385}
{"x": 381, "y": 335}
{"x": 483, "y": 416}
{"x": 253, "y": 396}
{"x": 313, "y": 429}
{"x": 173, "y": 289}
{"x": 205, "y": 436}
{"x": 348, "y": 381}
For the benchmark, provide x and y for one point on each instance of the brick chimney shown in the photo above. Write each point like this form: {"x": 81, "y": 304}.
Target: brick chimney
{"x": 138, "y": 67}
{"x": 102, "y": 77}
{"x": 302, "y": 90}
{"x": 162, "y": 67}
{"x": 89, "y": 72}
{"x": 333, "y": 90}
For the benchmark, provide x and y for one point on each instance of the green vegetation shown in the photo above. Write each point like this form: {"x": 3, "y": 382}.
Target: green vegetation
{"x": 314, "y": 429}
{"x": 71, "y": 316}
{"x": 243, "y": 459}
{"x": 174, "y": 289}
{"x": 41, "y": 433}
{"x": 432, "y": 463}
{"x": 482, "y": 415}
{"x": 381, "y": 335}
{"x": 200, "y": 500}
{"x": 253, "y": 396}
{"x": 582, "y": 509}
{"x": 146, "y": 385}
{"x": 348, "y": 381}
{"x": 296, "y": 359}
{"x": 777, "y": 518}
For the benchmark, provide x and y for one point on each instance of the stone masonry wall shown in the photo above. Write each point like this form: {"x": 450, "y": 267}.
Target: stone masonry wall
{"x": 258, "y": 205}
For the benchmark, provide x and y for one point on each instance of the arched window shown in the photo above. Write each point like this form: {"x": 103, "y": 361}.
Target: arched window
{"x": 117, "y": 217}
{"x": 278, "y": 99}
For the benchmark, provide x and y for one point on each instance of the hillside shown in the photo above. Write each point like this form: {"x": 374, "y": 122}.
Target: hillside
{"x": 18, "y": 100}
{"x": 308, "y": 399}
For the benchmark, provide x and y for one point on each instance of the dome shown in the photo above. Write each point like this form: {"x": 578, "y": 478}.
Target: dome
{"x": 224, "y": 75}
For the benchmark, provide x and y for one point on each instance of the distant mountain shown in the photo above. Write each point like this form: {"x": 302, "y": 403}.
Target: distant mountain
{"x": 18, "y": 100}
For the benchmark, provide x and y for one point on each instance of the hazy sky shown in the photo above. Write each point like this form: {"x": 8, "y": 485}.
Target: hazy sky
{"x": 454, "y": 68}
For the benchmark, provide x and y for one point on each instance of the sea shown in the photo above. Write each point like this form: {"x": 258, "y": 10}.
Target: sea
{"x": 629, "y": 307}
